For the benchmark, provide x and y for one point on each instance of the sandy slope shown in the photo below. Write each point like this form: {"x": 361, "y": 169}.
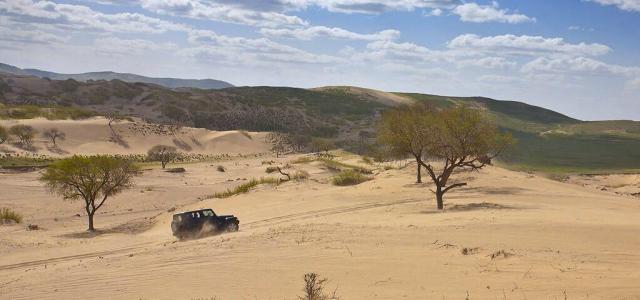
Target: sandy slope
{"x": 95, "y": 136}
{"x": 378, "y": 240}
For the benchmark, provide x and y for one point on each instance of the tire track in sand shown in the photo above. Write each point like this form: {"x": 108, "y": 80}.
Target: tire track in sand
{"x": 255, "y": 224}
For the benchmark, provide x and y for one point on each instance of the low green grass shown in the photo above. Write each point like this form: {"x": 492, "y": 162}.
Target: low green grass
{"x": 246, "y": 187}
{"x": 8, "y": 215}
{"x": 8, "y": 161}
{"x": 572, "y": 153}
{"x": 349, "y": 177}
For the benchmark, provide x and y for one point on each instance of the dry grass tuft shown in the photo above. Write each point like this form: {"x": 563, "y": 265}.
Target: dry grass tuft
{"x": 314, "y": 288}
{"x": 300, "y": 175}
{"x": 246, "y": 187}
{"x": 9, "y": 216}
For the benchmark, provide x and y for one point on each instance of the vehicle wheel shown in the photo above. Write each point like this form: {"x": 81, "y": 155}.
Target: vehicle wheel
{"x": 231, "y": 227}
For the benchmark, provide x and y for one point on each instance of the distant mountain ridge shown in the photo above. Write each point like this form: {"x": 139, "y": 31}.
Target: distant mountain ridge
{"x": 171, "y": 83}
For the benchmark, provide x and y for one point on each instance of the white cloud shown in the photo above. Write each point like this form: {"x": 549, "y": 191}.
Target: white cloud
{"x": 499, "y": 79}
{"x": 221, "y": 48}
{"x": 436, "y": 12}
{"x": 628, "y": 5}
{"x": 117, "y": 46}
{"x": 488, "y": 63}
{"x": 633, "y": 84}
{"x": 229, "y": 11}
{"x": 310, "y": 33}
{"x": 67, "y": 16}
{"x": 377, "y": 6}
{"x": 525, "y": 45}
{"x": 578, "y": 66}
{"x": 473, "y": 12}
{"x": 12, "y": 33}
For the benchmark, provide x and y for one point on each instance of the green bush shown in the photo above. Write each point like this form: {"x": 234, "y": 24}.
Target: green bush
{"x": 349, "y": 177}
{"x": 7, "y": 215}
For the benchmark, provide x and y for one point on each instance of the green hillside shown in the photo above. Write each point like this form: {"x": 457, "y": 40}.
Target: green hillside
{"x": 550, "y": 141}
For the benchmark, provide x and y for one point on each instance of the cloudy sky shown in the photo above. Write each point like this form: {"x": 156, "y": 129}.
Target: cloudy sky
{"x": 580, "y": 57}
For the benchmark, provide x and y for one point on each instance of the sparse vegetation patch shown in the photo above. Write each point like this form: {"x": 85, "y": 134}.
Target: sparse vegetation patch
{"x": 8, "y": 216}
{"x": 246, "y": 187}
{"x": 349, "y": 177}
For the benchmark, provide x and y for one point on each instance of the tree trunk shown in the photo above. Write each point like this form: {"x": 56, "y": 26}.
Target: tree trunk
{"x": 164, "y": 163}
{"x": 439, "y": 198}
{"x": 91, "y": 228}
{"x": 419, "y": 174}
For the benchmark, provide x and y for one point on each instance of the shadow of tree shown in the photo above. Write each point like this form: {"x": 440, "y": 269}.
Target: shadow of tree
{"x": 132, "y": 227}
{"x": 478, "y": 206}
{"x": 26, "y": 147}
{"x": 182, "y": 144}
{"x": 471, "y": 207}
{"x": 493, "y": 190}
{"x": 196, "y": 142}
{"x": 57, "y": 150}
{"x": 117, "y": 138}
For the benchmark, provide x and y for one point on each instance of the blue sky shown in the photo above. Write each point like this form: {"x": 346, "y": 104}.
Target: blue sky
{"x": 579, "y": 57}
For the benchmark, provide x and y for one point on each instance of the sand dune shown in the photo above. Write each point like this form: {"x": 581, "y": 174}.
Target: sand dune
{"x": 382, "y": 239}
{"x": 94, "y": 136}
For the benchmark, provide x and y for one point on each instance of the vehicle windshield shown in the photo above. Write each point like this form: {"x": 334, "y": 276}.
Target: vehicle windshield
{"x": 208, "y": 213}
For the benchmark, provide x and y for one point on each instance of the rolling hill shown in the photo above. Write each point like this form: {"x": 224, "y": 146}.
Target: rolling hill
{"x": 547, "y": 140}
{"x": 171, "y": 83}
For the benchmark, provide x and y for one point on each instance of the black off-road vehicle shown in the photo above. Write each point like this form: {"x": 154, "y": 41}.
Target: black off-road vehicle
{"x": 198, "y": 223}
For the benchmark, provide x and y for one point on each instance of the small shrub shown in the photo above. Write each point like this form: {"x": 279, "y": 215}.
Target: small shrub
{"x": 314, "y": 288}
{"x": 9, "y": 216}
{"x": 221, "y": 169}
{"x": 500, "y": 254}
{"x": 271, "y": 170}
{"x": 349, "y": 177}
{"x": 300, "y": 175}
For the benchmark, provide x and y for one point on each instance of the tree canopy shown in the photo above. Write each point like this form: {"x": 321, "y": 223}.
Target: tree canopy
{"x": 54, "y": 134}
{"x": 406, "y": 131}
{"x": 90, "y": 178}
{"x": 24, "y": 132}
{"x": 164, "y": 154}
{"x": 458, "y": 138}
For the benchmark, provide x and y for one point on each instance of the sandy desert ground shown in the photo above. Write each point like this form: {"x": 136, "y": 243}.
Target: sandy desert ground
{"x": 508, "y": 235}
